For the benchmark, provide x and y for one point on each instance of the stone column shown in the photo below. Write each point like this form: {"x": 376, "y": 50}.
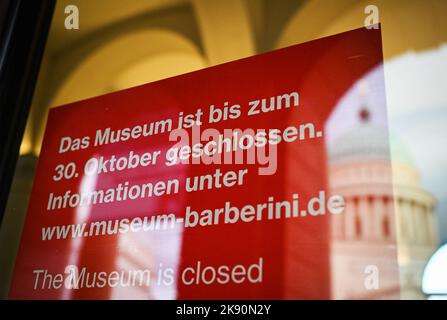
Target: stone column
{"x": 431, "y": 222}
{"x": 422, "y": 230}
{"x": 225, "y": 29}
{"x": 415, "y": 223}
{"x": 364, "y": 210}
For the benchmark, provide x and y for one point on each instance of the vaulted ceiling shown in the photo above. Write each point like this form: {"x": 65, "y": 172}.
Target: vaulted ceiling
{"x": 121, "y": 44}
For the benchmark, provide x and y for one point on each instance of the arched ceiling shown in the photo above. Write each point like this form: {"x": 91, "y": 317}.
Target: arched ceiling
{"x": 157, "y": 67}
{"x": 113, "y": 58}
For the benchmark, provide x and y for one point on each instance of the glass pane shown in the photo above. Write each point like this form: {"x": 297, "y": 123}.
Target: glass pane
{"x": 381, "y": 150}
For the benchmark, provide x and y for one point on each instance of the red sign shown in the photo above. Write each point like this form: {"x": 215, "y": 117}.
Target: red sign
{"x": 212, "y": 184}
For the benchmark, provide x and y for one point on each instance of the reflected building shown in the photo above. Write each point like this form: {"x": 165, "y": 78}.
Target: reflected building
{"x": 417, "y": 233}
{"x": 133, "y": 256}
{"x": 385, "y": 205}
